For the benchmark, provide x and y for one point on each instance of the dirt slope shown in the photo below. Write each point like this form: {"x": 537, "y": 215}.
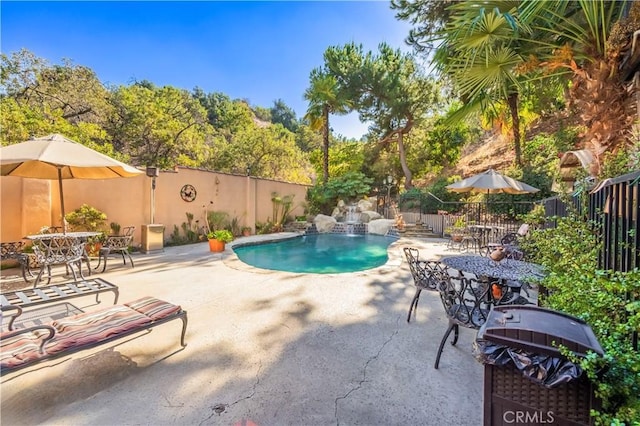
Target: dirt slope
{"x": 493, "y": 151}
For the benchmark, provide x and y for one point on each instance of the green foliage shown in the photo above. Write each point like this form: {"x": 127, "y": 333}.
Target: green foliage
{"x": 280, "y": 113}
{"x": 435, "y": 144}
{"x": 191, "y": 233}
{"x": 459, "y": 223}
{"x": 86, "y": 218}
{"x": 282, "y": 206}
{"x": 535, "y": 217}
{"x": 387, "y": 88}
{"x": 323, "y": 198}
{"x": 223, "y": 235}
{"x": 160, "y": 126}
{"x": 234, "y": 226}
{"x": 541, "y": 156}
{"x": 616, "y": 164}
{"x": 218, "y": 220}
{"x": 412, "y": 200}
{"x": 607, "y": 301}
{"x": 428, "y": 17}
{"x": 326, "y": 96}
{"x": 267, "y": 227}
{"x": 429, "y": 204}
{"x": 344, "y": 157}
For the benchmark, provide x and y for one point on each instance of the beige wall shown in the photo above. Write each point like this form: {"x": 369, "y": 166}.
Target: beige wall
{"x": 26, "y": 205}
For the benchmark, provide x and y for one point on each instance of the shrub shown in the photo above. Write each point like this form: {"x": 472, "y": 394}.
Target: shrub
{"x": 223, "y": 235}
{"x": 86, "y": 218}
{"x": 348, "y": 187}
{"x": 608, "y": 301}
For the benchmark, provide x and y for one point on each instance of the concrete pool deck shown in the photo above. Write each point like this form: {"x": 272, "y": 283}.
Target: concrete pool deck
{"x": 268, "y": 347}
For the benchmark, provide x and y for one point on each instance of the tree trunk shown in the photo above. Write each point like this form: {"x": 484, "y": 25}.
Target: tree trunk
{"x": 408, "y": 184}
{"x": 325, "y": 143}
{"x": 515, "y": 121}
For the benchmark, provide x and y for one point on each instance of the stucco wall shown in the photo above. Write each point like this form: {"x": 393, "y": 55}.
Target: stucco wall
{"x": 29, "y": 204}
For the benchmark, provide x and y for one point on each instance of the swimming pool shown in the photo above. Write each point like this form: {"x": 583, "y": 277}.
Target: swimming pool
{"x": 320, "y": 254}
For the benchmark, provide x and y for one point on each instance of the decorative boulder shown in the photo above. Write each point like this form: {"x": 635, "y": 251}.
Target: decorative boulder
{"x": 365, "y": 205}
{"x": 380, "y": 226}
{"x": 369, "y": 215}
{"x": 324, "y": 223}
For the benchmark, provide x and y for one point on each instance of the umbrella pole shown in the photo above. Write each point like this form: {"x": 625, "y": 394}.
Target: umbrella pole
{"x": 64, "y": 222}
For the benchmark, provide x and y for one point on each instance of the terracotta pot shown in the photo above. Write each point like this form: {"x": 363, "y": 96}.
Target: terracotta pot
{"x": 93, "y": 249}
{"x": 246, "y": 232}
{"x": 216, "y": 246}
{"x": 497, "y": 255}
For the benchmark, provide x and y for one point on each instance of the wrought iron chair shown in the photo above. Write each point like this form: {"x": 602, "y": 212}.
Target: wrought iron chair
{"x": 58, "y": 250}
{"x": 426, "y": 275}
{"x": 466, "y": 303}
{"x": 509, "y": 243}
{"x": 52, "y": 230}
{"x": 15, "y": 250}
{"x": 506, "y": 292}
{"x": 117, "y": 244}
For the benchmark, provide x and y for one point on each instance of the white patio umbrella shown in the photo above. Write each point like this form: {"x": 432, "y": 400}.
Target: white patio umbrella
{"x": 56, "y": 157}
{"x": 491, "y": 182}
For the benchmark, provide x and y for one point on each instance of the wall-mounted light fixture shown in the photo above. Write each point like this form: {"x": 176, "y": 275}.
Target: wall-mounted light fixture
{"x": 153, "y": 172}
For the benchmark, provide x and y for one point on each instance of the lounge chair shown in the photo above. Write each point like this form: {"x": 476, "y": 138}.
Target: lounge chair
{"x": 29, "y": 346}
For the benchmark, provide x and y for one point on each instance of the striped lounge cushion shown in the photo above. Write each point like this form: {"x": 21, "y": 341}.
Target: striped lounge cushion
{"x": 84, "y": 329}
{"x": 20, "y": 349}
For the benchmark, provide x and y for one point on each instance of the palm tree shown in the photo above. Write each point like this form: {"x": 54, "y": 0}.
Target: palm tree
{"x": 587, "y": 40}
{"x": 325, "y": 97}
{"x": 489, "y": 49}
{"x": 483, "y": 44}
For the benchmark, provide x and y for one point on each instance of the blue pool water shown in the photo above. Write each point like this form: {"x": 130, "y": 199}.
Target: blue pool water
{"x": 320, "y": 254}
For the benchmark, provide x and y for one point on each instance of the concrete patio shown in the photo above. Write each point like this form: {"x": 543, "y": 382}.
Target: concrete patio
{"x": 272, "y": 348}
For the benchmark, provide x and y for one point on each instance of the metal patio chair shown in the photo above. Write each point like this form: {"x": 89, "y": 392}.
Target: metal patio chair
{"x": 426, "y": 275}
{"x": 117, "y": 244}
{"x": 466, "y": 303}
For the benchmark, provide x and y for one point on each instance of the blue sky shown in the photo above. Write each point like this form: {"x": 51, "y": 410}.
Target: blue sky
{"x": 260, "y": 51}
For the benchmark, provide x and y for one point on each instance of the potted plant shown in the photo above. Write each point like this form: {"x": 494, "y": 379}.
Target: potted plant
{"x": 246, "y": 231}
{"x": 457, "y": 230}
{"x": 87, "y": 218}
{"x": 218, "y": 239}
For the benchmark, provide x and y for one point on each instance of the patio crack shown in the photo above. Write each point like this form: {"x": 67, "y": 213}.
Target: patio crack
{"x": 221, "y": 407}
{"x": 364, "y": 372}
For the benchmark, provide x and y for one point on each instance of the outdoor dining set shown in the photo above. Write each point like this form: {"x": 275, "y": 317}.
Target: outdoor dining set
{"x": 470, "y": 286}
{"x": 53, "y": 247}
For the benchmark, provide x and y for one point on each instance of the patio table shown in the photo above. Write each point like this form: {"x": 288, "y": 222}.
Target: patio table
{"x": 61, "y": 249}
{"x": 485, "y": 233}
{"x": 506, "y": 269}
{"x": 82, "y": 236}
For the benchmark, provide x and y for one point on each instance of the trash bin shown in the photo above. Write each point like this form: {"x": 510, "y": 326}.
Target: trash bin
{"x": 152, "y": 238}
{"x": 526, "y": 379}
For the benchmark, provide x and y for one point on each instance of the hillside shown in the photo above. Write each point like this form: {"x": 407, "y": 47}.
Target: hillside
{"x": 494, "y": 151}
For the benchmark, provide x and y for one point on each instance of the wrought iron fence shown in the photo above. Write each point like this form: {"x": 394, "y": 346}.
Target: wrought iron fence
{"x": 441, "y": 215}
{"x": 614, "y": 205}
